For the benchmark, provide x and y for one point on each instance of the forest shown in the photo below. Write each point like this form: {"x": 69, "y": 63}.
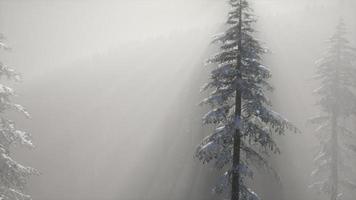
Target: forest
{"x": 177, "y": 100}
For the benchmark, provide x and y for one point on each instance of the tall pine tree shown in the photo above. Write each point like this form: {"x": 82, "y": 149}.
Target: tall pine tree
{"x": 13, "y": 175}
{"x": 241, "y": 114}
{"x": 337, "y": 74}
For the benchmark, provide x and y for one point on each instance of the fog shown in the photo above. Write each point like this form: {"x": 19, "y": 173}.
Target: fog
{"x": 113, "y": 92}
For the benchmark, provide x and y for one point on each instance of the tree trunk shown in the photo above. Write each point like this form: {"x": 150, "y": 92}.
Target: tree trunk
{"x": 235, "y": 184}
{"x": 334, "y": 158}
{"x": 334, "y": 136}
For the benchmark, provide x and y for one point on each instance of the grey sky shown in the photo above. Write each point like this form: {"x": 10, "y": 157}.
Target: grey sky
{"x": 95, "y": 74}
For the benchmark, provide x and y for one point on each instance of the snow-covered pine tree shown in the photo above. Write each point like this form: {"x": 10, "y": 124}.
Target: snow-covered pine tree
{"x": 13, "y": 175}
{"x": 337, "y": 74}
{"x": 241, "y": 113}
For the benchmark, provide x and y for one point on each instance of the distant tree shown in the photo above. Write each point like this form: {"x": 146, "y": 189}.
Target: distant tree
{"x": 13, "y": 175}
{"x": 337, "y": 74}
{"x": 241, "y": 114}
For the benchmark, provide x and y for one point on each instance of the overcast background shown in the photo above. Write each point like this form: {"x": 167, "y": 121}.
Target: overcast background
{"x": 113, "y": 88}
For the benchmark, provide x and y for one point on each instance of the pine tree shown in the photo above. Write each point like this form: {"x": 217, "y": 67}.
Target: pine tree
{"x": 240, "y": 114}
{"x": 337, "y": 74}
{"x": 13, "y": 175}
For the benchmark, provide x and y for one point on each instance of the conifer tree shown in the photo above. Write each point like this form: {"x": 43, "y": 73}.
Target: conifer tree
{"x": 336, "y": 72}
{"x": 13, "y": 175}
{"x": 241, "y": 114}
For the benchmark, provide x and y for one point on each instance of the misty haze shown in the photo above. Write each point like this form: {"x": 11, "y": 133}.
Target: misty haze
{"x": 178, "y": 100}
